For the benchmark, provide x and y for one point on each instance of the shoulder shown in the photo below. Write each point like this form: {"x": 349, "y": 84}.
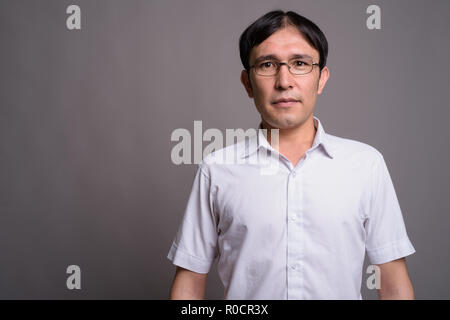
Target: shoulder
{"x": 226, "y": 155}
{"x": 221, "y": 158}
{"x": 347, "y": 149}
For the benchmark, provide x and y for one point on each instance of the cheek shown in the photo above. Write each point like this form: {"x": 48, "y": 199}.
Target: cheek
{"x": 261, "y": 91}
{"x": 310, "y": 88}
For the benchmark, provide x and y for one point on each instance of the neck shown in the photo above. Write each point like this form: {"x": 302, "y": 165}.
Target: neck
{"x": 300, "y": 137}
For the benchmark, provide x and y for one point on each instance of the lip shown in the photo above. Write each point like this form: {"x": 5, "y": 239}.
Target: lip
{"x": 285, "y": 103}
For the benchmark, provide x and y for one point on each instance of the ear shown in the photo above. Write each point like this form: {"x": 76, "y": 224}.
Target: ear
{"x": 324, "y": 75}
{"x": 246, "y": 82}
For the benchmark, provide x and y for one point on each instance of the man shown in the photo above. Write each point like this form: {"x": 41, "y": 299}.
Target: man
{"x": 302, "y": 232}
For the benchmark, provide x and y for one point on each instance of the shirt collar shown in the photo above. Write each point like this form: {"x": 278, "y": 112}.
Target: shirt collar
{"x": 260, "y": 141}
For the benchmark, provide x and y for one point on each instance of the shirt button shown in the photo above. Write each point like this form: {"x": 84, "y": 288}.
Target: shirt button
{"x": 292, "y": 218}
{"x": 293, "y": 173}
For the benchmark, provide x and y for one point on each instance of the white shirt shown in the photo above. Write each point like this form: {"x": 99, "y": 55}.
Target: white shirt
{"x": 298, "y": 233}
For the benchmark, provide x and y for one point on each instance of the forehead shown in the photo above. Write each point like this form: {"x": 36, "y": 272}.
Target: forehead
{"x": 283, "y": 44}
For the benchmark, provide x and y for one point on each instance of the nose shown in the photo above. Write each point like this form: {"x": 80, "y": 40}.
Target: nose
{"x": 284, "y": 78}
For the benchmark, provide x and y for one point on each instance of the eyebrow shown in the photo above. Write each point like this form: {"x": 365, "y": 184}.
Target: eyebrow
{"x": 273, "y": 57}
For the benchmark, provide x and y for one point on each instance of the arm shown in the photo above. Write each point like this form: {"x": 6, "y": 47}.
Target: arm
{"x": 188, "y": 285}
{"x": 395, "y": 282}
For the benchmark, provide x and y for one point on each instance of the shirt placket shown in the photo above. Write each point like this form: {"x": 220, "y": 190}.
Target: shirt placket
{"x": 295, "y": 232}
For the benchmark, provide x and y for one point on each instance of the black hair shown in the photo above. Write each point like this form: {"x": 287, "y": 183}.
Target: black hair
{"x": 271, "y": 22}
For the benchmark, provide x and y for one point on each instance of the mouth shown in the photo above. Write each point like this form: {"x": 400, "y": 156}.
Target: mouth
{"x": 285, "y": 103}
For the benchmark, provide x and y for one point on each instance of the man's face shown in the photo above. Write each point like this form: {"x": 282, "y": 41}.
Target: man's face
{"x": 266, "y": 91}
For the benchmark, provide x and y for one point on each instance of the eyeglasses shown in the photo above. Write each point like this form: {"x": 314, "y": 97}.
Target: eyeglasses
{"x": 296, "y": 66}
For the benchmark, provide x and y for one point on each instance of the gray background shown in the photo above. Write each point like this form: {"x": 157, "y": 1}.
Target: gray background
{"x": 86, "y": 116}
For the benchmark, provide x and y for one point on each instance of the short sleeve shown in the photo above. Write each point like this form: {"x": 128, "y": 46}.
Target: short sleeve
{"x": 386, "y": 236}
{"x": 195, "y": 245}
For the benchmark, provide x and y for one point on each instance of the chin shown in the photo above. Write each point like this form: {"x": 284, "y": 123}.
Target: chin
{"x": 284, "y": 122}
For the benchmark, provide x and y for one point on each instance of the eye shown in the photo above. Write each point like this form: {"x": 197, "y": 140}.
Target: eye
{"x": 266, "y": 65}
{"x": 299, "y": 63}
